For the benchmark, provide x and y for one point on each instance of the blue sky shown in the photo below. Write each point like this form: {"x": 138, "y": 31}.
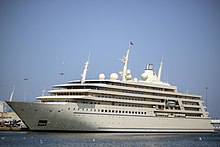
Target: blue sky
{"x": 40, "y": 39}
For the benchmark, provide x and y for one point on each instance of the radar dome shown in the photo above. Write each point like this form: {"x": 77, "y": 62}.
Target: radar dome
{"x": 101, "y": 76}
{"x": 128, "y": 72}
{"x": 128, "y": 77}
{"x": 113, "y": 76}
{"x": 144, "y": 76}
{"x": 135, "y": 79}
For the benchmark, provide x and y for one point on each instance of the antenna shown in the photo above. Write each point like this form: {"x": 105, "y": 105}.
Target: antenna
{"x": 125, "y": 61}
{"x": 85, "y": 70}
{"x": 160, "y": 69}
{"x": 12, "y": 94}
{"x": 43, "y": 92}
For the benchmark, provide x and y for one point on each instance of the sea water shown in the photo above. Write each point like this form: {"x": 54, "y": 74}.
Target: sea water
{"x": 51, "y": 139}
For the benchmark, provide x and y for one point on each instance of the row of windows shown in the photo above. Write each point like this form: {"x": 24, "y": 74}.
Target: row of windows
{"x": 191, "y": 103}
{"x": 90, "y": 102}
{"x": 192, "y": 109}
{"x": 128, "y": 98}
{"x": 141, "y": 87}
{"x": 194, "y": 115}
{"x": 178, "y": 115}
{"x": 109, "y": 111}
{"x": 101, "y": 110}
{"x": 69, "y": 93}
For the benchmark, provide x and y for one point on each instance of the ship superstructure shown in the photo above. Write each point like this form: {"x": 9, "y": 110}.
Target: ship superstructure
{"x": 113, "y": 105}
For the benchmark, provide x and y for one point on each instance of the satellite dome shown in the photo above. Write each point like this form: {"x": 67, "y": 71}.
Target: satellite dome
{"x": 144, "y": 76}
{"x": 128, "y": 77}
{"x": 128, "y": 72}
{"x": 113, "y": 76}
{"x": 101, "y": 76}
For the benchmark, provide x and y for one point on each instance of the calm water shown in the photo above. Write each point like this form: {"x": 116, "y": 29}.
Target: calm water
{"x": 101, "y": 139}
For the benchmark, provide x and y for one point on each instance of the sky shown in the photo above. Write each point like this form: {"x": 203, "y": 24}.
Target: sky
{"x": 41, "y": 38}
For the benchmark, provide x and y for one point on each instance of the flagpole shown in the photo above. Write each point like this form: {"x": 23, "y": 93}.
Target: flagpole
{"x": 129, "y": 45}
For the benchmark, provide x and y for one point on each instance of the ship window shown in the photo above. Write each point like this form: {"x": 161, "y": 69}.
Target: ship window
{"x": 106, "y": 110}
{"x": 35, "y": 110}
{"x": 42, "y": 122}
{"x": 112, "y": 111}
{"x": 119, "y": 111}
{"x": 68, "y": 108}
{"x": 102, "y": 110}
{"x": 109, "y": 110}
{"x": 116, "y": 111}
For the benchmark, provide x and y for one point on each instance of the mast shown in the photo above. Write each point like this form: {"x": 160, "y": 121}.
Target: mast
{"x": 125, "y": 62}
{"x": 12, "y": 94}
{"x": 43, "y": 92}
{"x": 160, "y": 69}
{"x": 85, "y": 70}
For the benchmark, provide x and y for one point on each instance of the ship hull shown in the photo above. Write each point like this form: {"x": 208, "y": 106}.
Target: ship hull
{"x": 92, "y": 118}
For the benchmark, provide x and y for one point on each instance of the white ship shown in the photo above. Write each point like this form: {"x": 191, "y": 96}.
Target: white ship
{"x": 113, "y": 105}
